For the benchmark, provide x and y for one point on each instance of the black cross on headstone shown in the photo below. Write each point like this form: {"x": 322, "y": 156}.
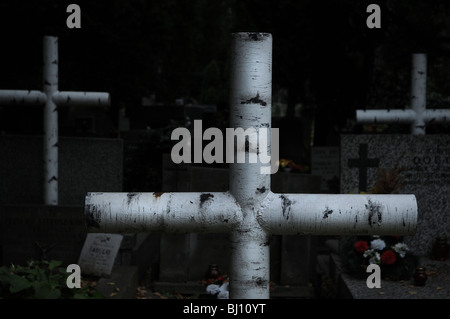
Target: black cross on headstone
{"x": 363, "y": 163}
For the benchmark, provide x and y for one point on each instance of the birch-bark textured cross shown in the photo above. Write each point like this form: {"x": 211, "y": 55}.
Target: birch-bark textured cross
{"x": 52, "y": 98}
{"x": 417, "y": 116}
{"x": 250, "y": 211}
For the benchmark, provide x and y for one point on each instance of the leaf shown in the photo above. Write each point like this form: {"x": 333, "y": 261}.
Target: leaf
{"x": 79, "y": 296}
{"x": 44, "y": 290}
{"x": 18, "y": 283}
{"x": 113, "y": 294}
{"x": 4, "y": 271}
{"x": 54, "y": 263}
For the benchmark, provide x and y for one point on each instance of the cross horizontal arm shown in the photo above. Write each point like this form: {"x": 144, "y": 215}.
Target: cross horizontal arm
{"x": 22, "y": 97}
{"x": 60, "y": 98}
{"x": 401, "y": 116}
{"x": 82, "y": 98}
{"x": 188, "y": 212}
{"x": 338, "y": 214}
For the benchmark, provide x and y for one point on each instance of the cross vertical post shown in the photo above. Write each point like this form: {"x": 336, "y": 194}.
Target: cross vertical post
{"x": 417, "y": 116}
{"x": 419, "y": 93}
{"x": 50, "y": 121}
{"x": 250, "y": 107}
{"x": 52, "y": 98}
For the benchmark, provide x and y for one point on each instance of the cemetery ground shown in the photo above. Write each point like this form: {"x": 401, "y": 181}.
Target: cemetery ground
{"x": 333, "y": 283}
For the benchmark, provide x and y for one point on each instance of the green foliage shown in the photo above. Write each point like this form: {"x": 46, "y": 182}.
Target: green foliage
{"x": 40, "y": 280}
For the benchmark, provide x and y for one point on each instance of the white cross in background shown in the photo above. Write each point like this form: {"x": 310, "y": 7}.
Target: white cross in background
{"x": 52, "y": 99}
{"x": 418, "y": 116}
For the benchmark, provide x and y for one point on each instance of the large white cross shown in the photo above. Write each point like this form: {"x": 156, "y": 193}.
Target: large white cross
{"x": 250, "y": 211}
{"x": 52, "y": 98}
{"x": 418, "y": 116}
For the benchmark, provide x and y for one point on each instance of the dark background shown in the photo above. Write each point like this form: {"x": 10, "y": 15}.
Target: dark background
{"x": 325, "y": 58}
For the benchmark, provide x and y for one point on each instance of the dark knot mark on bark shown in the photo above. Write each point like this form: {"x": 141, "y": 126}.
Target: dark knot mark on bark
{"x": 261, "y": 190}
{"x": 255, "y": 100}
{"x": 92, "y": 217}
{"x": 257, "y": 36}
{"x": 130, "y": 196}
{"x": 327, "y": 212}
{"x": 52, "y": 179}
{"x": 158, "y": 194}
{"x": 204, "y": 198}
{"x": 375, "y": 215}
{"x": 285, "y": 206}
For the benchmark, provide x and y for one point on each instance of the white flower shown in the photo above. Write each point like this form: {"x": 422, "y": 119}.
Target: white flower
{"x": 212, "y": 289}
{"x": 377, "y": 244}
{"x": 223, "y": 295}
{"x": 368, "y": 252}
{"x": 221, "y": 291}
{"x": 374, "y": 256}
{"x": 375, "y": 259}
{"x": 401, "y": 249}
{"x": 224, "y": 286}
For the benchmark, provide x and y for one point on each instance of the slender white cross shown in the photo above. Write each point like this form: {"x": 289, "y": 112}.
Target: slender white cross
{"x": 52, "y": 98}
{"x": 250, "y": 211}
{"x": 418, "y": 116}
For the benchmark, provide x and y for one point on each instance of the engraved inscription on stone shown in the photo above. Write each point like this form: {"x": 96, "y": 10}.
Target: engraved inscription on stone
{"x": 98, "y": 254}
{"x": 425, "y": 172}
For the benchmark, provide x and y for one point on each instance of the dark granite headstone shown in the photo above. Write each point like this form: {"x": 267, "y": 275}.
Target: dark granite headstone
{"x": 85, "y": 165}
{"x": 42, "y": 232}
{"x": 33, "y": 230}
{"x": 325, "y": 163}
{"x": 424, "y": 168}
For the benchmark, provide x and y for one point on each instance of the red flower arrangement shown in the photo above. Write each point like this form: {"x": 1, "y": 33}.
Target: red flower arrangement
{"x": 361, "y": 246}
{"x": 390, "y": 253}
{"x": 388, "y": 257}
{"x": 216, "y": 281}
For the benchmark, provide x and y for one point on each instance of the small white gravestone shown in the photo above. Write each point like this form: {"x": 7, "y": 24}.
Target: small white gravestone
{"x": 98, "y": 254}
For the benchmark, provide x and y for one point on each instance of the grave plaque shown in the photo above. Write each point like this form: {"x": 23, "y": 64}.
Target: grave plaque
{"x": 423, "y": 164}
{"x": 99, "y": 253}
{"x": 42, "y": 232}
